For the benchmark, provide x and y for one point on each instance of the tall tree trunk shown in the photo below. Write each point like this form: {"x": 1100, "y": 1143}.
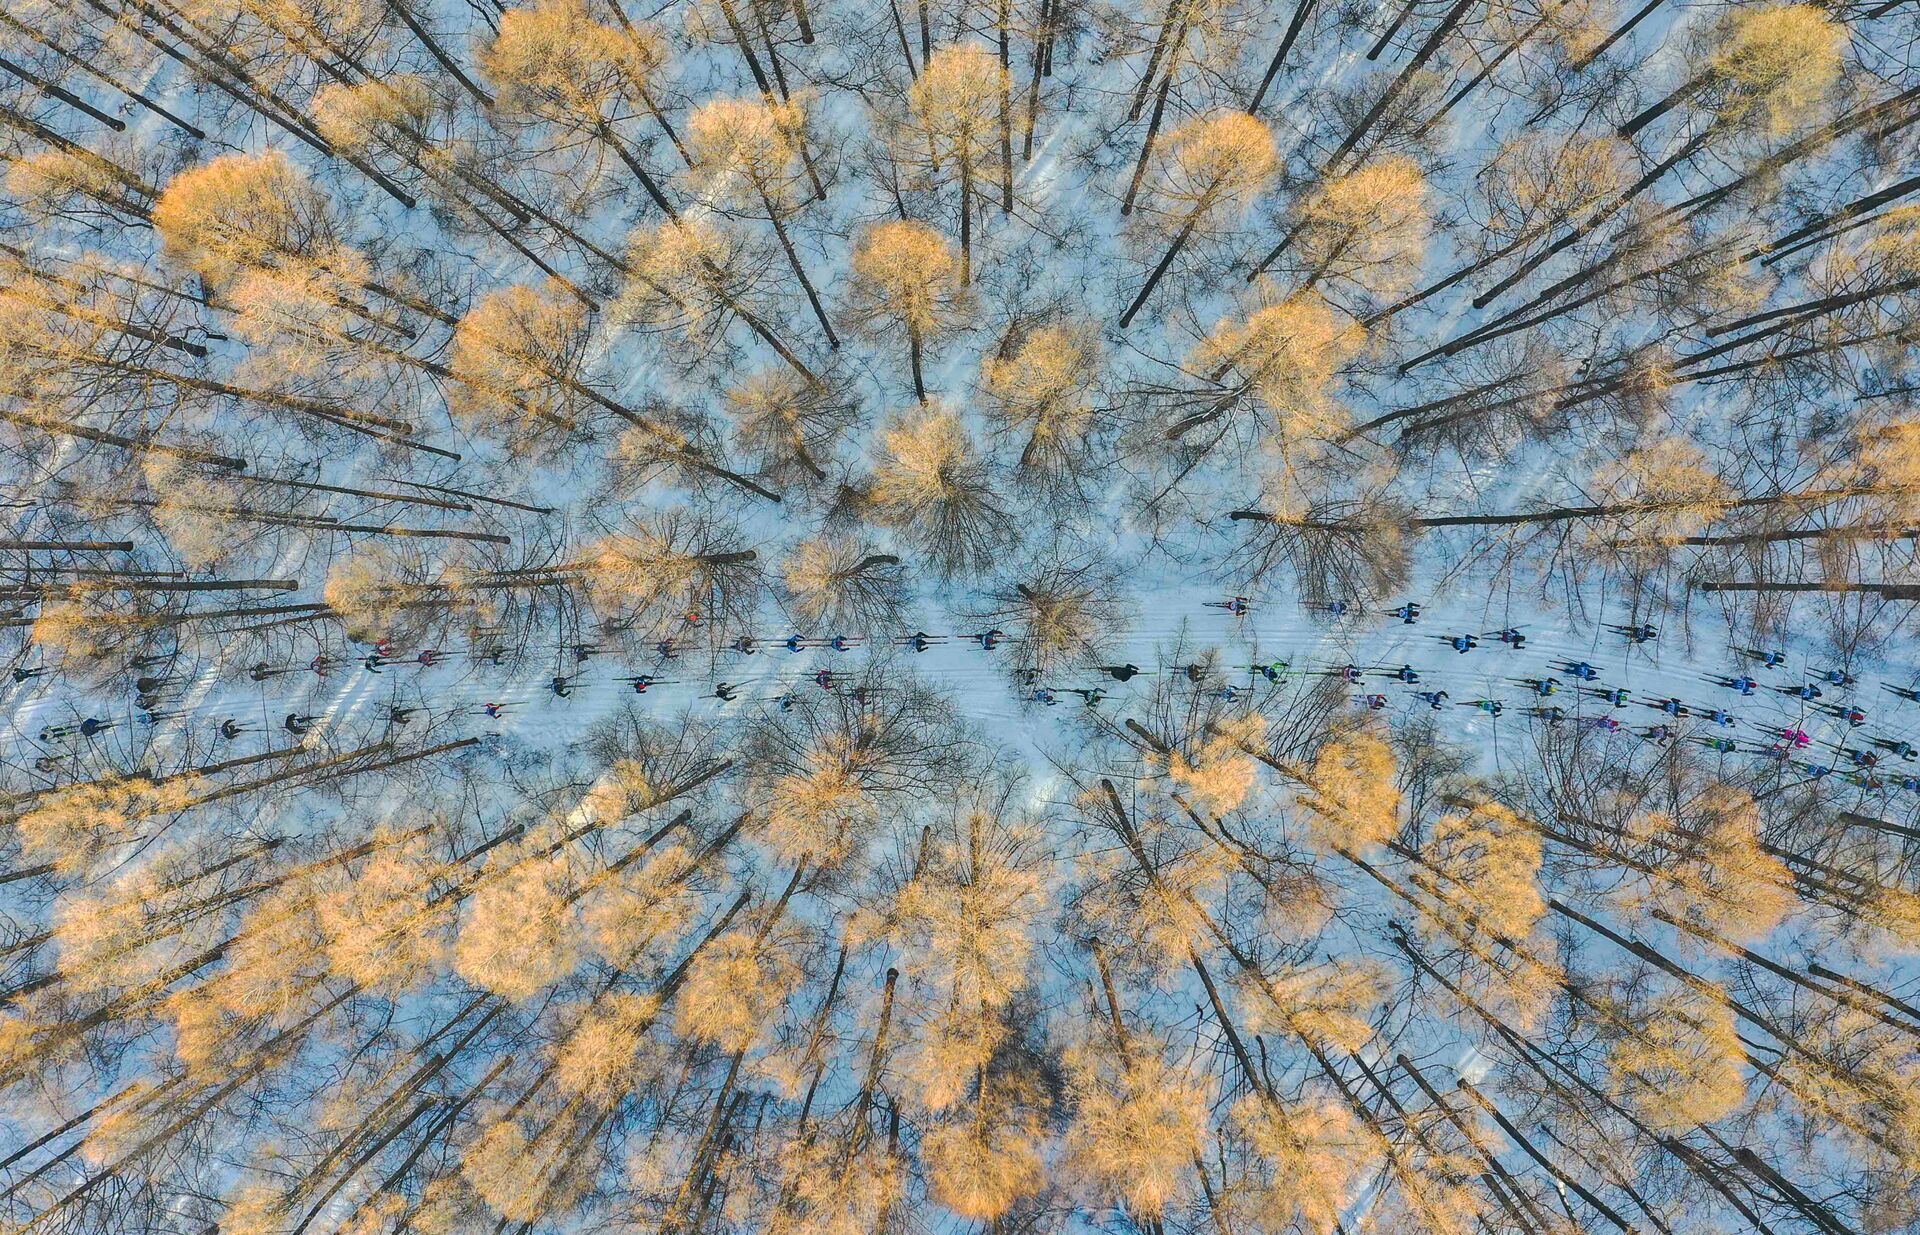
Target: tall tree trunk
{"x": 1153, "y": 122}
{"x": 1160, "y": 270}
{"x": 1301, "y": 9}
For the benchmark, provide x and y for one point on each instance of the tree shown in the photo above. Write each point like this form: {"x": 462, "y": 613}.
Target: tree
{"x": 789, "y": 425}
{"x": 753, "y": 151}
{"x": 694, "y": 275}
{"x": 1068, "y": 612}
{"x": 904, "y": 274}
{"x": 673, "y": 566}
{"x": 956, "y": 103}
{"x": 1039, "y": 385}
{"x": 932, "y": 484}
{"x": 837, "y": 584}
{"x": 1367, "y": 228}
{"x": 1213, "y": 166}
{"x": 554, "y": 63}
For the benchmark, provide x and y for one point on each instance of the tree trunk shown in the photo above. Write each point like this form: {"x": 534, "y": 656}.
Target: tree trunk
{"x": 1153, "y": 122}
{"x": 1300, "y": 11}
{"x": 400, "y": 10}
{"x": 1651, "y": 114}
{"x": 1042, "y": 31}
{"x": 1490, "y": 68}
{"x": 1519, "y": 1138}
{"x": 1621, "y": 32}
{"x": 1166, "y": 260}
{"x": 906, "y": 50}
{"x": 857, "y": 1133}
{"x": 746, "y": 48}
{"x": 87, "y": 67}
{"x": 1006, "y": 115}
{"x": 1387, "y": 97}
{"x": 1886, "y": 591}
{"x": 799, "y": 272}
{"x": 70, "y": 99}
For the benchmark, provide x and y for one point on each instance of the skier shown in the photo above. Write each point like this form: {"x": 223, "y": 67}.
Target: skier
{"x": 1900, "y": 747}
{"x": 319, "y": 665}
{"x": 1852, "y": 715}
{"x": 1119, "y": 673}
{"x": 1237, "y": 606}
{"x": 920, "y": 641}
{"x": 794, "y": 643}
{"x": 230, "y": 729}
{"x": 372, "y": 661}
{"x": 1374, "y": 702}
{"x": 723, "y": 692}
{"x": 641, "y": 683}
{"x": 399, "y": 716}
{"x": 1275, "y": 672}
{"x": 1408, "y": 613}
{"x": 1616, "y": 697}
{"x": 1512, "y": 637}
{"x": 1744, "y": 684}
{"x": 1492, "y": 707}
{"x": 1228, "y": 693}
{"x": 1579, "y": 669}
{"x": 1043, "y": 695}
{"x": 1660, "y": 734}
{"x": 825, "y": 679}
{"x": 428, "y": 658}
{"x": 1725, "y": 746}
{"x": 1436, "y": 699}
{"x": 297, "y": 724}
{"x": 1195, "y": 672}
{"x": 560, "y": 687}
{"x": 1405, "y": 673}
{"x": 1905, "y": 692}
{"x": 1837, "y": 677}
{"x": 744, "y": 645}
{"x": 1461, "y": 643}
{"x": 1806, "y": 690}
{"x": 1722, "y": 718}
{"x": 1552, "y": 715}
{"x": 493, "y": 709}
{"x": 1798, "y": 737}
{"x": 1090, "y": 698}
{"x": 1672, "y": 707}
{"x": 1638, "y": 634}
{"x": 22, "y": 674}
{"x": 1608, "y": 723}
{"x": 1770, "y": 659}
{"x": 1542, "y": 686}
{"x": 665, "y": 648}
{"x": 840, "y": 643}
{"x": 990, "y": 639}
